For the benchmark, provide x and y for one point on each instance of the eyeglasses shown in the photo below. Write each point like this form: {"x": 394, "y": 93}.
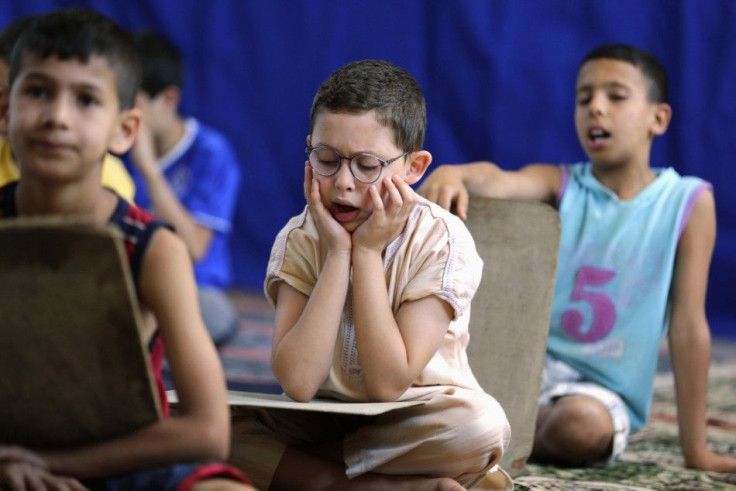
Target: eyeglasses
{"x": 366, "y": 168}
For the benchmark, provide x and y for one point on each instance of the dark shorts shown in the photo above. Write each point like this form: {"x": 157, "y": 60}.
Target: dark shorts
{"x": 177, "y": 477}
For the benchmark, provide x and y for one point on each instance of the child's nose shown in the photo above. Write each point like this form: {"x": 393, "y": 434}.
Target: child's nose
{"x": 598, "y": 104}
{"x": 344, "y": 178}
{"x": 57, "y": 111}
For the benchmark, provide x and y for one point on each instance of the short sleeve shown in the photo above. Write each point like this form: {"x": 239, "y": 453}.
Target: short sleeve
{"x": 442, "y": 261}
{"x": 295, "y": 258}
{"x": 215, "y": 183}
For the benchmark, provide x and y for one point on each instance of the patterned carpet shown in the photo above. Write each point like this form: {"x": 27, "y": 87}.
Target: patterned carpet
{"x": 652, "y": 460}
{"x": 246, "y": 359}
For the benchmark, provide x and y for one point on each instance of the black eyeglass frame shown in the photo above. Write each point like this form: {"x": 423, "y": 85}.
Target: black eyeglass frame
{"x": 341, "y": 157}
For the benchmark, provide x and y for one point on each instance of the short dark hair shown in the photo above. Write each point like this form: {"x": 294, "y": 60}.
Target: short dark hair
{"x": 378, "y": 85}
{"x": 161, "y": 62}
{"x": 81, "y": 33}
{"x": 10, "y": 35}
{"x": 649, "y": 65}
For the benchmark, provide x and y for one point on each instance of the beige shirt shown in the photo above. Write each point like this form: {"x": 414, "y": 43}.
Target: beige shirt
{"x": 435, "y": 255}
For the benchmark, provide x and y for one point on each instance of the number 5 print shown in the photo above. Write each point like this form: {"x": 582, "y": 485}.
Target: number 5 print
{"x": 604, "y": 312}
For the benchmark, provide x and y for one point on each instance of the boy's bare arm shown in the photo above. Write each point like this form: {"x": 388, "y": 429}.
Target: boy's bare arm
{"x": 165, "y": 202}
{"x": 201, "y": 428}
{"x": 393, "y": 350}
{"x": 452, "y": 185}
{"x": 306, "y": 327}
{"x": 689, "y": 337}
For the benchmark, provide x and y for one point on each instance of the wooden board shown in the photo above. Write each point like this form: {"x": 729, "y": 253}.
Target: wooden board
{"x": 73, "y": 368}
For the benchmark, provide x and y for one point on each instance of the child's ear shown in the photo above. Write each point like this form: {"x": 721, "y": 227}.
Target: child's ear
{"x": 309, "y": 140}
{"x": 662, "y": 118}
{"x": 417, "y": 165}
{"x": 129, "y": 122}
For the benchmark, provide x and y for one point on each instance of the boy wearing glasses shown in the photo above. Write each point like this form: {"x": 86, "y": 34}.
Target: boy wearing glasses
{"x": 372, "y": 288}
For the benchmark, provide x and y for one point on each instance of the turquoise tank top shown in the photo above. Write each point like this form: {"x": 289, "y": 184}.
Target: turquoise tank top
{"x": 611, "y": 303}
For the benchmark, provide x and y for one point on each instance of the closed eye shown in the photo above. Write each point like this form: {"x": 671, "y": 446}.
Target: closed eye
{"x": 329, "y": 161}
{"x": 618, "y": 97}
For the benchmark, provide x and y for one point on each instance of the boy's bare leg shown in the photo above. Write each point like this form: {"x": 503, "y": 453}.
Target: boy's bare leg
{"x": 305, "y": 471}
{"x": 574, "y": 431}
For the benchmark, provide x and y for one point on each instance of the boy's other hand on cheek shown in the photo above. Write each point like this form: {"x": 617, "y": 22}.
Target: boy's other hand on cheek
{"x": 389, "y": 214}
{"x": 144, "y": 150}
{"x": 337, "y": 238}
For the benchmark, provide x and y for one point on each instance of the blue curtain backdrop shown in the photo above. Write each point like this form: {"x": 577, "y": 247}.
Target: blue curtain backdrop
{"x": 498, "y": 76}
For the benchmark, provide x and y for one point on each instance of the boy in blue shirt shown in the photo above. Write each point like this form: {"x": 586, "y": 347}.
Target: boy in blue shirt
{"x": 633, "y": 265}
{"x": 188, "y": 174}
{"x": 74, "y": 75}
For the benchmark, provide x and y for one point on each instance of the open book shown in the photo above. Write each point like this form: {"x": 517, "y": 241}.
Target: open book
{"x": 237, "y": 398}
{"x": 73, "y": 368}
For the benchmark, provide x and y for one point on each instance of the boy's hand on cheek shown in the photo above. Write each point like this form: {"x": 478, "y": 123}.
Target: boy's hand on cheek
{"x": 389, "y": 215}
{"x": 144, "y": 150}
{"x": 337, "y": 238}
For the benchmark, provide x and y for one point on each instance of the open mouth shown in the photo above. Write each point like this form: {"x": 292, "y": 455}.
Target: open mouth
{"x": 344, "y": 213}
{"x": 597, "y": 134}
{"x": 598, "y": 138}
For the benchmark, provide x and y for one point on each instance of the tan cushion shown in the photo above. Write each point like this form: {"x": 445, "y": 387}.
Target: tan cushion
{"x": 519, "y": 242}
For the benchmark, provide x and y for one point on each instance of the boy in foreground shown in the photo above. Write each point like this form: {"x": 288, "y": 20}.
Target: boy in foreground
{"x": 372, "y": 287}
{"x": 633, "y": 265}
{"x": 73, "y": 79}
{"x": 114, "y": 174}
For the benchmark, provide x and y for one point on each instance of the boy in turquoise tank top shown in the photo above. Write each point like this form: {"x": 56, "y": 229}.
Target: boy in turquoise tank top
{"x": 635, "y": 250}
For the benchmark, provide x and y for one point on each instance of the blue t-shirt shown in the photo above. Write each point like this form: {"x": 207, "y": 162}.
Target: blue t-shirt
{"x": 611, "y": 303}
{"x": 204, "y": 173}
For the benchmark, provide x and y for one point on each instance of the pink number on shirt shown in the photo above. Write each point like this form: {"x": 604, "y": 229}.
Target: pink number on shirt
{"x": 604, "y": 312}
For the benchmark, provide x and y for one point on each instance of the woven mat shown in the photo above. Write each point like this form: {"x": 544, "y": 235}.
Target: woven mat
{"x": 652, "y": 460}
{"x": 246, "y": 359}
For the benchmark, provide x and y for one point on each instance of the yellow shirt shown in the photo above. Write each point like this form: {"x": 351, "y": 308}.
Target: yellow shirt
{"x": 114, "y": 174}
